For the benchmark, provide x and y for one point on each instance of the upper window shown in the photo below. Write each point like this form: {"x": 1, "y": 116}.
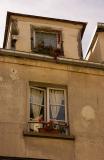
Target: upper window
{"x": 48, "y": 110}
{"x": 47, "y": 41}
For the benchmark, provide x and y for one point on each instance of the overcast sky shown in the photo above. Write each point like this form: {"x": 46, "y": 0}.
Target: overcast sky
{"x": 91, "y": 11}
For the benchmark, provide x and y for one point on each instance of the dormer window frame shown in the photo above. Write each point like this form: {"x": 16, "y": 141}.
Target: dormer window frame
{"x": 45, "y": 49}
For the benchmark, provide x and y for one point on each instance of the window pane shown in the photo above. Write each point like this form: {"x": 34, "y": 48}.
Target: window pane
{"x": 46, "y": 39}
{"x": 56, "y": 103}
{"x": 37, "y": 104}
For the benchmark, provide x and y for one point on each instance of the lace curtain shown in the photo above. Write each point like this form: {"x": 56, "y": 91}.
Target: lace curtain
{"x": 56, "y": 104}
{"x": 36, "y": 103}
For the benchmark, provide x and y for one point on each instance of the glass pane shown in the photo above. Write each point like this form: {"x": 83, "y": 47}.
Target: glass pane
{"x": 37, "y": 104}
{"x": 56, "y": 103}
{"x": 37, "y": 96}
{"x": 46, "y": 39}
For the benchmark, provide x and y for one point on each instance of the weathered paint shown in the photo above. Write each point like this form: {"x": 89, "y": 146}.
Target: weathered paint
{"x": 85, "y": 109}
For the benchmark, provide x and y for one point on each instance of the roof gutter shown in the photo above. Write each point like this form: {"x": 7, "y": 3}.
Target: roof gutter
{"x": 59, "y": 60}
{"x": 9, "y": 14}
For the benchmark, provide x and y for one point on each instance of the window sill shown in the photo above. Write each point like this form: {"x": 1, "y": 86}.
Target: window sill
{"x": 46, "y": 135}
{"x": 46, "y": 51}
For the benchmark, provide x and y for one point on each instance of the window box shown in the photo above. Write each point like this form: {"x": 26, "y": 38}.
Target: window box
{"x": 52, "y": 131}
{"x": 44, "y": 50}
{"x": 48, "y": 127}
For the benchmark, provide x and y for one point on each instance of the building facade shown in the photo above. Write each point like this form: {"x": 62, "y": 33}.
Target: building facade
{"x": 51, "y": 100}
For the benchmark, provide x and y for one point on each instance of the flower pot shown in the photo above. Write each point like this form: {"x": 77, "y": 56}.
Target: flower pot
{"x": 50, "y": 131}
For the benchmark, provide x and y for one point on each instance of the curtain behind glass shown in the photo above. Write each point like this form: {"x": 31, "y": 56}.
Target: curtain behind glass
{"x": 56, "y": 104}
{"x": 36, "y": 103}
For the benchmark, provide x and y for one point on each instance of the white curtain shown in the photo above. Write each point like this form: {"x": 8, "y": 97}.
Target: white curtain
{"x": 56, "y": 101}
{"x": 36, "y": 102}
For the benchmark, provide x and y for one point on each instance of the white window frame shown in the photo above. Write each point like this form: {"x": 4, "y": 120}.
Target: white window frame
{"x": 41, "y": 89}
{"x": 65, "y": 105}
{"x": 46, "y": 103}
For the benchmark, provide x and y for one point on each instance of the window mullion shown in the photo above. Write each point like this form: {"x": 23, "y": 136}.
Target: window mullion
{"x": 45, "y": 107}
{"x": 65, "y": 105}
{"x": 48, "y": 116}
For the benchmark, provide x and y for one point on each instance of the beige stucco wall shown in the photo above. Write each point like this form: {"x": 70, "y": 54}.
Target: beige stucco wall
{"x": 101, "y": 35}
{"x": 14, "y": 102}
{"x": 85, "y": 109}
{"x": 71, "y": 34}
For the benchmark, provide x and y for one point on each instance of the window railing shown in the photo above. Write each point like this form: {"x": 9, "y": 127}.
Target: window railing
{"x": 51, "y": 127}
{"x": 49, "y": 51}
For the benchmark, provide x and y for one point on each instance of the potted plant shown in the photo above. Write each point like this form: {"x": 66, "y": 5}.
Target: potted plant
{"x": 49, "y": 127}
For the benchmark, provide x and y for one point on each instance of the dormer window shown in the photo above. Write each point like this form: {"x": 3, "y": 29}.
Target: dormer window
{"x": 47, "y": 41}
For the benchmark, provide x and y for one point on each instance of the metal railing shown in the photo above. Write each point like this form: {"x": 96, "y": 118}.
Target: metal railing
{"x": 52, "y": 127}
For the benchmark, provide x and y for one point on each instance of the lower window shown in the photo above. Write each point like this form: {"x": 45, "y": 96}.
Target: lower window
{"x": 48, "y": 113}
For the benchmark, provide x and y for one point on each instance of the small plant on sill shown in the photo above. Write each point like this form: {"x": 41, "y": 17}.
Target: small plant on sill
{"x": 59, "y": 128}
{"x": 49, "y": 127}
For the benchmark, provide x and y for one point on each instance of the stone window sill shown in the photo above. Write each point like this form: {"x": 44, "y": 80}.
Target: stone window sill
{"x": 45, "y": 135}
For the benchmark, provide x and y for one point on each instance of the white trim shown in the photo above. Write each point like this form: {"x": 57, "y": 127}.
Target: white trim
{"x": 56, "y": 88}
{"x": 58, "y": 45}
{"x": 45, "y": 107}
{"x": 46, "y": 102}
{"x": 40, "y": 89}
{"x": 65, "y": 101}
{"x": 28, "y": 102}
{"x": 48, "y": 117}
{"x": 65, "y": 106}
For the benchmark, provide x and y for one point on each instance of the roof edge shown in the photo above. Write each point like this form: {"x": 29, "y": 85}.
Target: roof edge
{"x": 60, "y": 60}
{"x": 48, "y": 18}
{"x": 92, "y": 40}
{"x": 40, "y": 17}
{"x": 99, "y": 28}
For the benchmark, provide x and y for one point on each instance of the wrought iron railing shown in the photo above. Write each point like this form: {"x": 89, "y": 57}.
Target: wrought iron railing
{"x": 50, "y": 127}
